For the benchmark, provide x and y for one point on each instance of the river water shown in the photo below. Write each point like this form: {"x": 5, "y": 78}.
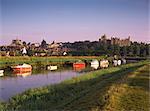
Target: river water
{"x": 12, "y": 84}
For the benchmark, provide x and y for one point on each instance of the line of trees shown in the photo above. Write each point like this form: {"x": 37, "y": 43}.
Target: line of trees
{"x": 97, "y": 48}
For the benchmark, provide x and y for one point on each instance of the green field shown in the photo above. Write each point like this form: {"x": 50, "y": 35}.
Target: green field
{"x": 93, "y": 91}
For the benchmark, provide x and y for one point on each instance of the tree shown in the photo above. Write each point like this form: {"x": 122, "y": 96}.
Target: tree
{"x": 24, "y": 43}
{"x": 130, "y": 50}
{"x": 117, "y": 49}
{"x": 29, "y": 44}
{"x": 148, "y": 49}
{"x": 124, "y": 51}
{"x": 137, "y": 50}
{"x": 111, "y": 49}
{"x": 43, "y": 44}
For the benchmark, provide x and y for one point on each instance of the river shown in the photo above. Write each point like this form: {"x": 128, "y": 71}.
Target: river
{"x": 12, "y": 84}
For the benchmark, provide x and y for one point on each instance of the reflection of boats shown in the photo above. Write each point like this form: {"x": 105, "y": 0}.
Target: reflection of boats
{"x": 22, "y": 68}
{"x": 1, "y": 72}
{"x": 78, "y": 68}
{"x": 23, "y": 74}
{"x": 52, "y": 68}
{"x": 95, "y": 64}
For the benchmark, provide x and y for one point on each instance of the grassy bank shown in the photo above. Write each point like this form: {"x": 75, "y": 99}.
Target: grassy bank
{"x": 132, "y": 93}
{"x": 86, "y": 92}
{"x": 42, "y": 61}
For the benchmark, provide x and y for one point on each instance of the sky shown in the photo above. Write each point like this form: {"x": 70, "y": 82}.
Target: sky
{"x": 73, "y": 20}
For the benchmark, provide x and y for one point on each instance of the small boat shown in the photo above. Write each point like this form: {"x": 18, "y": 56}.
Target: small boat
{"x": 78, "y": 64}
{"x": 119, "y": 62}
{"x": 95, "y": 64}
{"x": 1, "y": 72}
{"x": 115, "y": 62}
{"x": 104, "y": 63}
{"x": 51, "y": 68}
{"x": 22, "y": 68}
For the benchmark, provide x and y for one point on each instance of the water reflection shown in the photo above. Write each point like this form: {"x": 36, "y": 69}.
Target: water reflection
{"x": 79, "y": 68}
{"x": 22, "y": 74}
{"x": 12, "y": 84}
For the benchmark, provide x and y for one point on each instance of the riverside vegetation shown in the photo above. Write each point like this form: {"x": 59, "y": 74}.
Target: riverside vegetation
{"x": 42, "y": 61}
{"x": 97, "y": 90}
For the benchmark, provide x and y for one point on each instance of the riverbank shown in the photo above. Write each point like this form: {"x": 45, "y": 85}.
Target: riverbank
{"x": 86, "y": 92}
{"x": 43, "y": 61}
{"x": 131, "y": 93}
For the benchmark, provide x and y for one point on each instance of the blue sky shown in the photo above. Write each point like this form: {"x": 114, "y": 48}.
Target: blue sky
{"x": 73, "y": 20}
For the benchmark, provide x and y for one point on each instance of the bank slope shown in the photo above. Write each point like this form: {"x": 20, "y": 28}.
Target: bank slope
{"x": 132, "y": 93}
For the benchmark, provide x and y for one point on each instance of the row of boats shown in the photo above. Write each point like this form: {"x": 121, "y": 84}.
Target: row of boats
{"x": 22, "y": 68}
{"x": 100, "y": 64}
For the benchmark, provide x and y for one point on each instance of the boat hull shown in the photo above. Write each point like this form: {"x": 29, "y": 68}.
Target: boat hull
{"x": 78, "y": 65}
{"x": 23, "y": 69}
{"x": 1, "y": 71}
{"x": 51, "y": 68}
{"x": 23, "y": 74}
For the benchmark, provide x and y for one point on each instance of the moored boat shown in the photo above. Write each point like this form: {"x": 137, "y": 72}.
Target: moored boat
{"x": 22, "y": 68}
{"x": 1, "y": 72}
{"x": 104, "y": 63}
{"x": 119, "y": 62}
{"x": 95, "y": 64}
{"x": 115, "y": 62}
{"x": 78, "y": 64}
{"x": 51, "y": 68}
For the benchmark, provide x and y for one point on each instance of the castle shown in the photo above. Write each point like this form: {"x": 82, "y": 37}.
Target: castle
{"x": 116, "y": 41}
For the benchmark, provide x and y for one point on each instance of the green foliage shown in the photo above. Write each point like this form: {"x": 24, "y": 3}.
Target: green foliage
{"x": 100, "y": 48}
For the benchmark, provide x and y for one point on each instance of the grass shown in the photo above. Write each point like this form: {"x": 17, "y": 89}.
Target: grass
{"x": 132, "y": 94}
{"x": 86, "y": 92}
{"x": 37, "y": 61}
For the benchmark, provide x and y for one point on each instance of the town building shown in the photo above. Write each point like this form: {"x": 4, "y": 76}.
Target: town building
{"x": 16, "y": 42}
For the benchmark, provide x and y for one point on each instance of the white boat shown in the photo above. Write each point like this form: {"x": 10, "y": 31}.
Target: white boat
{"x": 95, "y": 64}
{"x": 115, "y": 62}
{"x": 119, "y": 62}
{"x": 1, "y": 72}
{"x": 51, "y": 68}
